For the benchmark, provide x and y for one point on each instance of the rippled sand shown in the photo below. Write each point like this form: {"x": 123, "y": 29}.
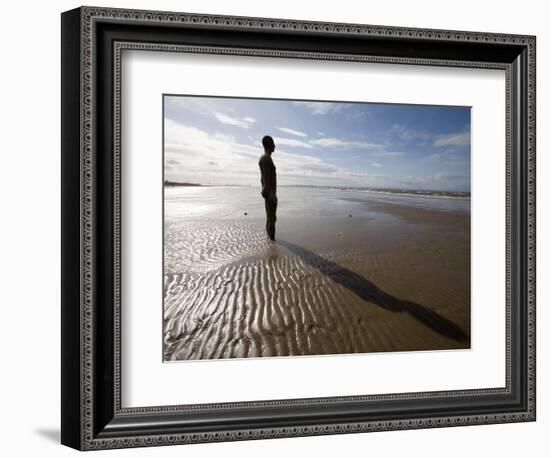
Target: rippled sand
{"x": 393, "y": 283}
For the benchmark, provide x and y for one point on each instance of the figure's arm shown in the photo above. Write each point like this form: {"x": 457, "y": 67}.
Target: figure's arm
{"x": 269, "y": 177}
{"x": 274, "y": 180}
{"x": 262, "y": 180}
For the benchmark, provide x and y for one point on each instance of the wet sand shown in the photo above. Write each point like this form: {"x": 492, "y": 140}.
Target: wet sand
{"x": 360, "y": 274}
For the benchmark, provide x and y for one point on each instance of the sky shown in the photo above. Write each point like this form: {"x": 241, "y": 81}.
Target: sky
{"x": 215, "y": 140}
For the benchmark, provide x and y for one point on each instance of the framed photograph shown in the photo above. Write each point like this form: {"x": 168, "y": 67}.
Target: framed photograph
{"x": 277, "y": 228}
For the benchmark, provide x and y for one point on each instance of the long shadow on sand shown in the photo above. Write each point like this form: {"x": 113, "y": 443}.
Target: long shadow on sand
{"x": 368, "y": 291}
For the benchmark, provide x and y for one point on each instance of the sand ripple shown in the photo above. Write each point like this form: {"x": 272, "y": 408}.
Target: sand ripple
{"x": 285, "y": 303}
{"x": 202, "y": 246}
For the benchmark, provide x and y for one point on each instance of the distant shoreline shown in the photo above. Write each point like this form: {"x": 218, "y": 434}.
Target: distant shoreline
{"x": 399, "y": 192}
{"x": 195, "y": 185}
{"x": 430, "y": 194}
{"x": 175, "y": 183}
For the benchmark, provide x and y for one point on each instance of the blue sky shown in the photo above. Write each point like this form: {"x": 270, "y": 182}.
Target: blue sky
{"x": 214, "y": 140}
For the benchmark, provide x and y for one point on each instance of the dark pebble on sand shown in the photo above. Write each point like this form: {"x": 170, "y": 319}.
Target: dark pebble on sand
{"x": 245, "y": 213}
{"x": 349, "y": 216}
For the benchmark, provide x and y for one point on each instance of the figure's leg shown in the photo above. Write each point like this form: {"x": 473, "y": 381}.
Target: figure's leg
{"x": 274, "y": 218}
{"x": 271, "y": 230}
{"x": 266, "y": 201}
{"x": 271, "y": 218}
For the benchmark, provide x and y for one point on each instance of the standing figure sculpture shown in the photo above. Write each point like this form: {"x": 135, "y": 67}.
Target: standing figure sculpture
{"x": 269, "y": 185}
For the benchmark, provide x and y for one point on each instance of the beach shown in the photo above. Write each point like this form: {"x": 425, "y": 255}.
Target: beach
{"x": 352, "y": 271}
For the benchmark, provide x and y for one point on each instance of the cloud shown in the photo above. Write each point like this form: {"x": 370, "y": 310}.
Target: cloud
{"x": 400, "y": 132}
{"x": 194, "y": 155}
{"x": 387, "y": 153}
{"x": 173, "y": 105}
{"x": 446, "y": 177}
{"x": 323, "y": 108}
{"x": 245, "y": 123}
{"x": 456, "y": 161}
{"x": 321, "y": 168}
{"x": 448, "y": 155}
{"x": 206, "y": 155}
{"x": 339, "y": 143}
{"x": 456, "y": 164}
{"x": 292, "y": 142}
{"x": 287, "y": 130}
{"x": 197, "y": 151}
{"x": 171, "y": 164}
{"x": 455, "y": 139}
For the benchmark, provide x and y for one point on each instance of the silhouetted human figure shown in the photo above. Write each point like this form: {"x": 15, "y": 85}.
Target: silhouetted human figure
{"x": 269, "y": 185}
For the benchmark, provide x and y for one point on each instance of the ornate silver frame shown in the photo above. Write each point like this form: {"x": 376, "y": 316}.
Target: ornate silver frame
{"x": 93, "y": 417}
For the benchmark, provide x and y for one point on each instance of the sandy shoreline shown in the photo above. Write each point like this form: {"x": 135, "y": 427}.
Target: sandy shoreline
{"x": 390, "y": 277}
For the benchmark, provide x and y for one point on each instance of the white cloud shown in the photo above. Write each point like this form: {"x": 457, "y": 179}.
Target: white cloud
{"x": 196, "y": 156}
{"x": 197, "y": 105}
{"x": 401, "y": 132}
{"x": 387, "y": 153}
{"x": 339, "y": 143}
{"x": 323, "y": 108}
{"x": 446, "y": 177}
{"x": 456, "y": 139}
{"x": 287, "y": 130}
{"x": 292, "y": 142}
{"x": 197, "y": 150}
{"x": 456, "y": 164}
{"x": 245, "y": 123}
{"x": 448, "y": 155}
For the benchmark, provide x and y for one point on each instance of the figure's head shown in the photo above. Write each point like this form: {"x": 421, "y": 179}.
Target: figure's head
{"x": 269, "y": 144}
